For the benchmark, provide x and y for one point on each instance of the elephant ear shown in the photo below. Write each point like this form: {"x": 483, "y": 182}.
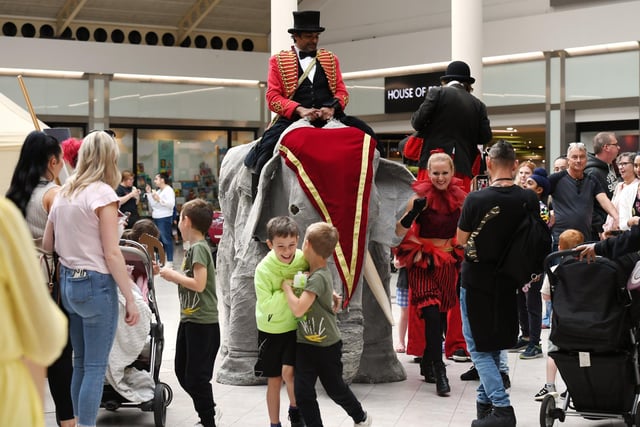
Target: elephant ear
{"x": 393, "y": 183}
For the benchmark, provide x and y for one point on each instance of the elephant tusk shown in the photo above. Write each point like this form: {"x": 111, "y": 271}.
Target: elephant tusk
{"x": 375, "y": 284}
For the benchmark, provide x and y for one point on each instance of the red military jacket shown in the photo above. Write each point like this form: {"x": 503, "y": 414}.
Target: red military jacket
{"x": 283, "y": 77}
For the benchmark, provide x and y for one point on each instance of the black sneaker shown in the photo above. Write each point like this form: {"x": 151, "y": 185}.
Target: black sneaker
{"x": 295, "y": 418}
{"x": 461, "y": 356}
{"x": 470, "y": 375}
{"x": 520, "y": 345}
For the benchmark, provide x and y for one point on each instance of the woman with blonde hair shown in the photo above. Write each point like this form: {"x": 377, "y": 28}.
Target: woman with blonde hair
{"x": 431, "y": 255}
{"x": 83, "y": 230}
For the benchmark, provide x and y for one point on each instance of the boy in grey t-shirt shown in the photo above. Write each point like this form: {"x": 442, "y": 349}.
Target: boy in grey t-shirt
{"x": 319, "y": 348}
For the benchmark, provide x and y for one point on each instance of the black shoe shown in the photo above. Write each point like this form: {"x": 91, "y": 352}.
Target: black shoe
{"x": 470, "y": 375}
{"x": 483, "y": 409}
{"x": 506, "y": 382}
{"x": 442, "y": 382}
{"x": 500, "y": 416}
{"x": 426, "y": 370}
{"x": 461, "y": 356}
{"x": 295, "y": 418}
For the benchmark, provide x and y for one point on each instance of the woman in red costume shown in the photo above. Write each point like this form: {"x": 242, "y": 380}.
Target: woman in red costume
{"x": 431, "y": 255}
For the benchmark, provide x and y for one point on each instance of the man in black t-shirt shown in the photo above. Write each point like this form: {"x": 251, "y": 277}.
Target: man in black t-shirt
{"x": 128, "y": 197}
{"x": 488, "y": 301}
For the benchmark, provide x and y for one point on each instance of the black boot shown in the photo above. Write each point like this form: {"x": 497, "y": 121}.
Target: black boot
{"x": 501, "y": 416}
{"x": 426, "y": 370}
{"x": 442, "y": 382}
{"x": 483, "y": 409}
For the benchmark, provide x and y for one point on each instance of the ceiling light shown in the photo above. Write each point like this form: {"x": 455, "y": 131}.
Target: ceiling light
{"x": 41, "y": 73}
{"x": 206, "y": 81}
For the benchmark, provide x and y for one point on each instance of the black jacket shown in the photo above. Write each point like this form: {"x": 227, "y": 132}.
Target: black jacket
{"x": 608, "y": 180}
{"x": 456, "y": 121}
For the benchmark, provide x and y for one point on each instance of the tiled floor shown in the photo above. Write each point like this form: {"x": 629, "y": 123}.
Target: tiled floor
{"x": 409, "y": 403}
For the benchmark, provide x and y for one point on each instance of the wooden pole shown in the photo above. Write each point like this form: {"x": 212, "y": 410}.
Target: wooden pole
{"x": 36, "y": 124}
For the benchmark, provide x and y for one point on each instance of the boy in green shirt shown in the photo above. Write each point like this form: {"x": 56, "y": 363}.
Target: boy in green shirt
{"x": 198, "y": 337}
{"x": 319, "y": 348}
{"x": 276, "y": 324}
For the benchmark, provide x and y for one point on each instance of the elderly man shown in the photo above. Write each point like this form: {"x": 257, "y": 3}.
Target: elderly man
{"x": 599, "y": 165}
{"x": 303, "y": 82}
{"x": 573, "y": 194}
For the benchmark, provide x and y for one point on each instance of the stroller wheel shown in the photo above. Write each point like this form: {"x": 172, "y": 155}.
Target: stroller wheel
{"x": 162, "y": 396}
{"x": 547, "y": 411}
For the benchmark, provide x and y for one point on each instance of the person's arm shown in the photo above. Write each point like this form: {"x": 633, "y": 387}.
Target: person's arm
{"x": 277, "y": 100}
{"x": 485, "y": 127}
{"x": 108, "y": 216}
{"x": 47, "y": 238}
{"x": 133, "y": 194}
{"x": 421, "y": 117}
{"x": 196, "y": 283}
{"x": 609, "y": 208}
{"x": 341, "y": 94}
{"x": 462, "y": 237}
{"x": 298, "y": 306}
{"x": 48, "y": 198}
{"x": 415, "y": 205}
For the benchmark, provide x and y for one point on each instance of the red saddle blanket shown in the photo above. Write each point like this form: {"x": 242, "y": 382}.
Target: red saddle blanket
{"x": 334, "y": 168}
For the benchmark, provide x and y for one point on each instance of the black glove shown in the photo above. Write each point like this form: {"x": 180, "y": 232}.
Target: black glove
{"x": 418, "y": 205}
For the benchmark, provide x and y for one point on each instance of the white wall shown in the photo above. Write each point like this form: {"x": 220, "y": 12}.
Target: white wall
{"x": 366, "y": 34}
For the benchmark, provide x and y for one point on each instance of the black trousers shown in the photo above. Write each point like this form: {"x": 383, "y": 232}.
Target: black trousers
{"x": 324, "y": 363}
{"x": 196, "y": 350}
{"x": 60, "y": 372}
{"x": 433, "y": 332}
{"x": 530, "y": 312}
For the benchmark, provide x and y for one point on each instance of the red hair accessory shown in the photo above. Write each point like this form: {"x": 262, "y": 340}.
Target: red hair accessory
{"x": 70, "y": 148}
{"x": 436, "y": 150}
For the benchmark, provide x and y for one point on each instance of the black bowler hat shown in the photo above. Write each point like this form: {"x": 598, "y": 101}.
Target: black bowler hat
{"x": 307, "y": 21}
{"x": 459, "y": 71}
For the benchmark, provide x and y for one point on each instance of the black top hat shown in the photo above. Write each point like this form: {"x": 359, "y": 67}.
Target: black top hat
{"x": 307, "y": 21}
{"x": 459, "y": 71}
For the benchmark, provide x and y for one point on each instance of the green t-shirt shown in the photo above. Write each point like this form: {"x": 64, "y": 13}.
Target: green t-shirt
{"x": 199, "y": 307}
{"x": 319, "y": 326}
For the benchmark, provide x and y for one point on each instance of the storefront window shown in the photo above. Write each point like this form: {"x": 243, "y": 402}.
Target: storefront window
{"x": 191, "y": 158}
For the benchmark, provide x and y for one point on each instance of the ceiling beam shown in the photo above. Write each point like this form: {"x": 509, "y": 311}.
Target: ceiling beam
{"x": 197, "y": 12}
{"x": 67, "y": 13}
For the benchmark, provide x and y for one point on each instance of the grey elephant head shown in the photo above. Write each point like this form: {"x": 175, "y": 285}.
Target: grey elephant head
{"x": 368, "y": 354}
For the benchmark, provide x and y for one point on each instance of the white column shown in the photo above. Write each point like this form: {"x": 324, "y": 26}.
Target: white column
{"x": 466, "y": 37}
{"x": 281, "y": 21}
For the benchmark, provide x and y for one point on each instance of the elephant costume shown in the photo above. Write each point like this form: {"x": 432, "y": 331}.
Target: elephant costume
{"x": 368, "y": 353}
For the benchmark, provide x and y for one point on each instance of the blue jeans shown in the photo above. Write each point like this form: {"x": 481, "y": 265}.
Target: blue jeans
{"x": 546, "y": 320}
{"x": 165, "y": 225}
{"x": 491, "y": 389}
{"x": 91, "y": 300}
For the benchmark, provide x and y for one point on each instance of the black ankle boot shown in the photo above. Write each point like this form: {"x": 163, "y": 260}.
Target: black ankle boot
{"x": 501, "y": 416}
{"x": 426, "y": 370}
{"x": 483, "y": 409}
{"x": 442, "y": 382}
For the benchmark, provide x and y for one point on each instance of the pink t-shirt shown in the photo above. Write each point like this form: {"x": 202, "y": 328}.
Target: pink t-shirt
{"x": 77, "y": 227}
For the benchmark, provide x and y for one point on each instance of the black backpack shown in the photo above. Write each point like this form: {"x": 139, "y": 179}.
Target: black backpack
{"x": 531, "y": 243}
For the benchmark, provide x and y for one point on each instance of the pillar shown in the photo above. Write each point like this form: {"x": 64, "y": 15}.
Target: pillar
{"x": 466, "y": 37}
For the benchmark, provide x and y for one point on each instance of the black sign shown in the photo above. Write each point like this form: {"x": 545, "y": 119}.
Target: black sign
{"x": 404, "y": 94}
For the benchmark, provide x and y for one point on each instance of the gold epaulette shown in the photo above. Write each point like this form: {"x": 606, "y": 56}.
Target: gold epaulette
{"x": 328, "y": 62}
{"x": 288, "y": 68}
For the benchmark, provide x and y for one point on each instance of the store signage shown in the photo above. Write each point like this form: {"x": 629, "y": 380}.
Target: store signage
{"x": 404, "y": 94}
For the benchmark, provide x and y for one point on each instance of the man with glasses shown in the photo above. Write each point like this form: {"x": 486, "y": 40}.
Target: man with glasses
{"x": 303, "y": 82}
{"x": 574, "y": 195}
{"x": 599, "y": 165}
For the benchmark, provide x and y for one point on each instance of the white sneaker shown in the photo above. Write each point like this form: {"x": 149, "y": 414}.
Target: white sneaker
{"x": 168, "y": 264}
{"x": 367, "y": 421}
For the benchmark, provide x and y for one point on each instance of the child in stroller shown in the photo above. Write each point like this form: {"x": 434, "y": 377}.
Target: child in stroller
{"x": 595, "y": 330}
{"x": 134, "y": 361}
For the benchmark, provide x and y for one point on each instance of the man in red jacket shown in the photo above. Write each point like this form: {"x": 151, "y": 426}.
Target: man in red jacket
{"x": 303, "y": 82}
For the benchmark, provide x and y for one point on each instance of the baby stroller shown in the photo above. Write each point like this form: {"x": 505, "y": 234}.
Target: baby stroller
{"x": 596, "y": 335}
{"x": 128, "y": 380}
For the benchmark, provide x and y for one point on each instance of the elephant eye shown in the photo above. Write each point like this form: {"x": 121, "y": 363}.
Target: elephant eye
{"x": 294, "y": 209}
